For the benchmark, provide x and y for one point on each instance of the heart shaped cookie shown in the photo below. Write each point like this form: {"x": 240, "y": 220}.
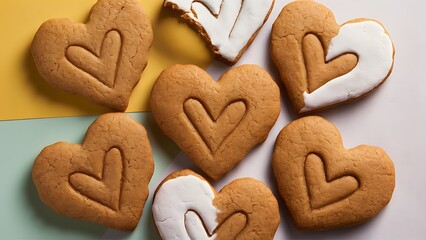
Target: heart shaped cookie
{"x": 103, "y": 180}
{"x": 323, "y": 64}
{"x": 102, "y": 59}
{"x": 323, "y": 184}
{"x": 186, "y": 206}
{"x": 215, "y": 123}
{"x": 229, "y": 26}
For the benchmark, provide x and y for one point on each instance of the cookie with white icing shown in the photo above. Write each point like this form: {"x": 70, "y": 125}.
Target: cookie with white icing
{"x": 186, "y": 206}
{"x": 229, "y": 26}
{"x": 324, "y": 185}
{"x": 323, "y": 64}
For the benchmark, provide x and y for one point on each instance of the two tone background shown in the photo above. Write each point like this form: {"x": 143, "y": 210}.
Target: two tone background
{"x": 34, "y": 115}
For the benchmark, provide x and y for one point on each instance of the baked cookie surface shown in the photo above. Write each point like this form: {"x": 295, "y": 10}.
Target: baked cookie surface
{"x": 229, "y": 26}
{"x": 324, "y": 185}
{"x": 102, "y": 59}
{"x": 186, "y": 206}
{"x": 215, "y": 123}
{"x": 323, "y": 64}
{"x": 103, "y": 180}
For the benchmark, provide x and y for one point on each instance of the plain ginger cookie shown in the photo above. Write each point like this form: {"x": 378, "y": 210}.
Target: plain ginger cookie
{"x": 103, "y": 180}
{"x": 102, "y": 59}
{"x": 324, "y": 185}
{"x": 215, "y": 123}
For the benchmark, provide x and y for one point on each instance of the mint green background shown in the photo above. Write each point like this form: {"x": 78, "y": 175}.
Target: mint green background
{"x": 23, "y": 215}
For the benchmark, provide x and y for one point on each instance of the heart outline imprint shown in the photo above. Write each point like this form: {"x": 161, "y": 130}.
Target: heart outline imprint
{"x": 358, "y": 56}
{"x": 360, "y": 180}
{"x": 69, "y": 55}
{"x": 249, "y": 87}
{"x": 103, "y": 180}
{"x": 186, "y": 206}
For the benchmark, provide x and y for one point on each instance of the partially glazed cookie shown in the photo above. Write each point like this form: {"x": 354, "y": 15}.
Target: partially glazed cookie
{"x": 215, "y": 123}
{"x": 103, "y": 180}
{"x": 323, "y": 64}
{"x": 324, "y": 185}
{"x": 186, "y": 206}
{"x": 102, "y": 59}
{"x": 229, "y": 26}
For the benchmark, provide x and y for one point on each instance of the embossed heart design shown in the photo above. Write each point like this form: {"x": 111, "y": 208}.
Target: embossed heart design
{"x": 324, "y": 185}
{"x": 186, "y": 206}
{"x": 102, "y": 59}
{"x": 323, "y": 64}
{"x": 322, "y": 191}
{"x": 229, "y": 26}
{"x": 102, "y": 67}
{"x": 215, "y": 123}
{"x": 103, "y": 180}
{"x": 214, "y": 129}
{"x": 105, "y": 187}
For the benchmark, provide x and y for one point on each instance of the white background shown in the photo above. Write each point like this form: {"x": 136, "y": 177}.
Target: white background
{"x": 393, "y": 118}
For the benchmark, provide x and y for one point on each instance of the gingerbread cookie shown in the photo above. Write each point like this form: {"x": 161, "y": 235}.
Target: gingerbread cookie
{"x": 101, "y": 60}
{"x": 323, "y": 64}
{"x": 103, "y": 180}
{"x": 215, "y": 123}
{"x": 229, "y": 26}
{"x": 323, "y": 184}
{"x": 186, "y": 206}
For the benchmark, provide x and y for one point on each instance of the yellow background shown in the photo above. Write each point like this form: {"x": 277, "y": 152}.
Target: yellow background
{"x": 24, "y": 94}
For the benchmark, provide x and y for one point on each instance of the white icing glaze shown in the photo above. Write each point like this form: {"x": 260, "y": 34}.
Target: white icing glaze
{"x": 195, "y": 227}
{"x": 373, "y": 46}
{"x": 233, "y": 24}
{"x": 174, "y": 205}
